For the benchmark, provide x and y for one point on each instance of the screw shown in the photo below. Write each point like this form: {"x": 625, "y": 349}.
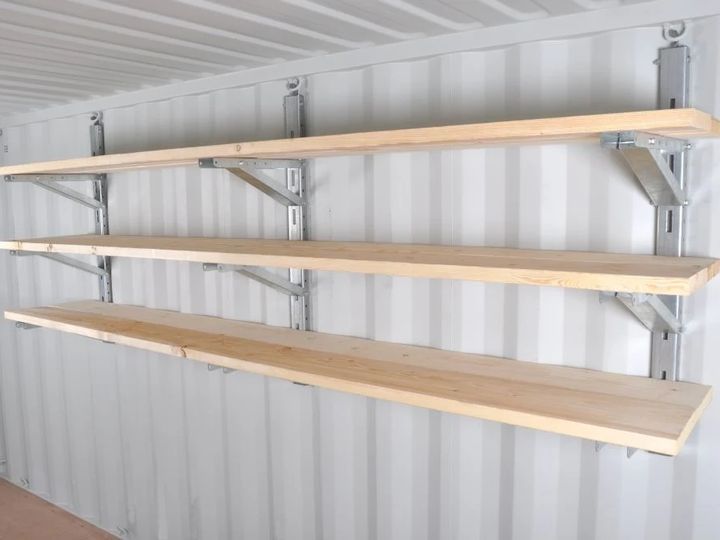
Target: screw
{"x": 688, "y": 146}
{"x": 651, "y": 140}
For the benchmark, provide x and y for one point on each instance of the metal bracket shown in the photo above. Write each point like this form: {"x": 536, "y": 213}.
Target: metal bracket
{"x": 649, "y": 309}
{"x": 98, "y": 203}
{"x": 660, "y": 165}
{"x": 292, "y": 196}
{"x": 261, "y": 275}
{"x": 49, "y": 182}
{"x": 225, "y": 370}
{"x": 69, "y": 193}
{"x": 646, "y": 155}
{"x": 100, "y": 194}
{"x": 249, "y": 171}
{"x": 53, "y": 177}
{"x": 674, "y": 84}
{"x": 64, "y": 259}
{"x": 629, "y": 452}
{"x": 25, "y": 326}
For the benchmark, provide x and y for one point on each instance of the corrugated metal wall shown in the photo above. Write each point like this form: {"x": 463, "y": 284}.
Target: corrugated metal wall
{"x": 161, "y": 448}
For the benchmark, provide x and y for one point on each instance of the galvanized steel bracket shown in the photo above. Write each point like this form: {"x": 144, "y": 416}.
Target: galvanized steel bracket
{"x": 98, "y": 203}
{"x": 260, "y": 275}
{"x": 250, "y": 172}
{"x": 649, "y": 309}
{"x": 647, "y": 156}
{"x": 292, "y": 196}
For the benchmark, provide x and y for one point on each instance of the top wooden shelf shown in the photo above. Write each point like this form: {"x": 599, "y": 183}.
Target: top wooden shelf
{"x": 683, "y": 123}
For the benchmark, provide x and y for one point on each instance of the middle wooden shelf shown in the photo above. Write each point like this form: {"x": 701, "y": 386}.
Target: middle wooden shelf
{"x": 616, "y": 272}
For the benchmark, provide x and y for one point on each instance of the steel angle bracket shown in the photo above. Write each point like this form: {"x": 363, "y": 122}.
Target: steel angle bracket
{"x": 97, "y": 202}
{"x": 64, "y": 259}
{"x": 292, "y": 195}
{"x": 647, "y": 155}
{"x": 25, "y": 326}
{"x": 649, "y": 309}
{"x": 250, "y": 172}
{"x": 79, "y": 177}
{"x": 260, "y": 275}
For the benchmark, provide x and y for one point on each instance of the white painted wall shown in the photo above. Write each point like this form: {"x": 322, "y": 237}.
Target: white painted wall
{"x": 163, "y": 448}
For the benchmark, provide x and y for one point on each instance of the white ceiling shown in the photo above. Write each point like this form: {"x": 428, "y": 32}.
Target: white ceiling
{"x": 54, "y": 52}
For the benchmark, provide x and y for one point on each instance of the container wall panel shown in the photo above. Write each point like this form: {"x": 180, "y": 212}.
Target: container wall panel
{"x": 156, "y": 447}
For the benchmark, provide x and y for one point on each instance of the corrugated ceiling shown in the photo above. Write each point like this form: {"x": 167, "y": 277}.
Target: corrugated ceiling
{"x": 53, "y": 53}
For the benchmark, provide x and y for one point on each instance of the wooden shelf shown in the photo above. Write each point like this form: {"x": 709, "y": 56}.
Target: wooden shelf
{"x": 685, "y": 123}
{"x": 570, "y": 269}
{"x": 637, "y": 412}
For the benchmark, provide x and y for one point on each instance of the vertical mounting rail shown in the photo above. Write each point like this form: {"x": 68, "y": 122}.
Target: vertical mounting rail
{"x": 674, "y": 78}
{"x": 294, "y": 106}
{"x": 100, "y": 194}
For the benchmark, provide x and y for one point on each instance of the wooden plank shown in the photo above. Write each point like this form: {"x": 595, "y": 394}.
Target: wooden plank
{"x": 570, "y": 269}
{"x": 686, "y": 123}
{"x": 24, "y": 516}
{"x": 638, "y": 412}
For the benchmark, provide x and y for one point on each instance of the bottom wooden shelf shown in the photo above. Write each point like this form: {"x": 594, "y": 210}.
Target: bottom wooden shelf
{"x": 637, "y": 412}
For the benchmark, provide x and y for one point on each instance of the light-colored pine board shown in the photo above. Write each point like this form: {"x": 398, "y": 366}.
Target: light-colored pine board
{"x": 685, "y": 123}
{"x": 569, "y": 269}
{"x": 24, "y": 516}
{"x": 632, "y": 411}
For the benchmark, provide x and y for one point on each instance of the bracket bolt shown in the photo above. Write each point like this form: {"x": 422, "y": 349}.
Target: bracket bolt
{"x": 688, "y": 146}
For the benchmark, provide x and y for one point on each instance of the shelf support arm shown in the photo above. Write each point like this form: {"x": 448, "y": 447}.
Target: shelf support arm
{"x": 98, "y": 203}
{"x": 249, "y": 172}
{"x": 64, "y": 259}
{"x": 646, "y": 156}
{"x": 69, "y": 193}
{"x": 260, "y": 275}
{"x": 660, "y": 164}
{"x": 649, "y": 309}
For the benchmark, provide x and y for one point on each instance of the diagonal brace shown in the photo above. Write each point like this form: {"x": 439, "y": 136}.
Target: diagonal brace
{"x": 260, "y": 275}
{"x": 646, "y": 155}
{"x": 650, "y": 310}
{"x": 249, "y": 171}
{"x": 64, "y": 259}
{"x": 69, "y": 193}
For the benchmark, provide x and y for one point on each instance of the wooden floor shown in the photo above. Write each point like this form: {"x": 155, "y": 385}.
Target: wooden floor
{"x": 637, "y": 412}
{"x": 23, "y": 516}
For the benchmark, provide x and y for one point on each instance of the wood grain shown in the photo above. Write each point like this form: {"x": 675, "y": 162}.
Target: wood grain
{"x": 637, "y": 412}
{"x": 570, "y": 269}
{"x": 685, "y": 123}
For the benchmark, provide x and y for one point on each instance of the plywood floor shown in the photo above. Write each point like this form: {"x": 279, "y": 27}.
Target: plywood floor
{"x": 23, "y": 516}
